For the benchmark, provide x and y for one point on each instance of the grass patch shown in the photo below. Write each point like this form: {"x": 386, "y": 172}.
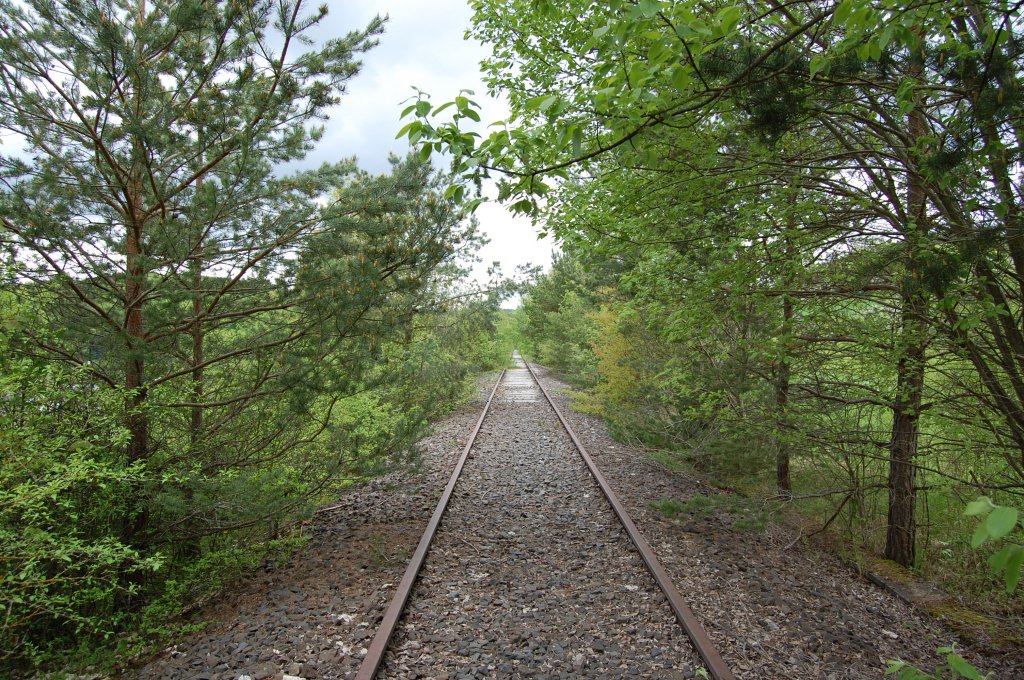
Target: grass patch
{"x": 745, "y": 514}
{"x": 381, "y": 556}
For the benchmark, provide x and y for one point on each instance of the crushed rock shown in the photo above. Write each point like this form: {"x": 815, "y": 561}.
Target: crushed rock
{"x": 774, "y": 609}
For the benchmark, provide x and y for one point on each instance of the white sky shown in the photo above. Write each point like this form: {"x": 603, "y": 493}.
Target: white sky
{"x": 422, "y": 46}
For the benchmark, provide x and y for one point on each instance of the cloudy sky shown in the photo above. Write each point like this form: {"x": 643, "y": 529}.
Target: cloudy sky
{"x": 422, "y": 46}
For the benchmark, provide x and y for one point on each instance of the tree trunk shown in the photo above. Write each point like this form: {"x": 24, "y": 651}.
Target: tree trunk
{"x": 135, "y": 373}
{"x": 782, "y": 479}
{"x": 196, "y": 425}
{"x": 196, "y": 265}
{"x": 902, "y": 525}
{"x": 137, "y": 517}
{"x": 136, "y": 520}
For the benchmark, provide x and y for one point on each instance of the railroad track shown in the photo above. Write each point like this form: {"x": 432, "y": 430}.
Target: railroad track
{"x": 533, "y": 574}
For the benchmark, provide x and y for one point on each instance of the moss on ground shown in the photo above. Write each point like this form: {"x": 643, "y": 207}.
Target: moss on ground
{"x": 973, "y": 626}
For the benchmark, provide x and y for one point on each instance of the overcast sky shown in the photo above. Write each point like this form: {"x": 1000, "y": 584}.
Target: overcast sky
{"x": 422, "y": 46}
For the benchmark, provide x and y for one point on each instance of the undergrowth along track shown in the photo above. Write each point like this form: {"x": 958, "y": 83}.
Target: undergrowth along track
{"x": 694, "y": 631}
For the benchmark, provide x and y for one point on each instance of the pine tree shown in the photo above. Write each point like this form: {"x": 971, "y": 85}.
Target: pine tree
{"x": 147, "y": 205}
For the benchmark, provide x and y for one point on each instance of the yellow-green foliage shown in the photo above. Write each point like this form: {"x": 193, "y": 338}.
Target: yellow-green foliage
{"x": 619, "y": 381}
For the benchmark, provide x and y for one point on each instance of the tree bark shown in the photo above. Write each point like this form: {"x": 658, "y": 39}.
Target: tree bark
{"x": 137, "y": 517}
{"x": 782, "y": 478}
{"x": 196, "y": 265}
{"x": 902, "y": 522}
{"x": 783, "y": 482}
{"x": 135, "y": 370}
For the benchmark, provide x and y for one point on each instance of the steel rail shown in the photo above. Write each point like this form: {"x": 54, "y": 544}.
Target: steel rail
{"x": 698, "y": 636}
{"x": 379, "y": 645}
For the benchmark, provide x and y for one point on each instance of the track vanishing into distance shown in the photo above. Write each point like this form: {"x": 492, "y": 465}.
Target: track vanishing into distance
{"x": 530, "y": 574}
{"x": 530, "y": 565}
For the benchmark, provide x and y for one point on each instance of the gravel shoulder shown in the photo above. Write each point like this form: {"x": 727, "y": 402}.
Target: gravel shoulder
{"x": 774, "y": 609}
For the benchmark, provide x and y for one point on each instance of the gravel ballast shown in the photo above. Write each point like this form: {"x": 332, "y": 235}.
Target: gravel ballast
{"x": 531, "y": 573}
{"x": 531, "y": 576}
{"x": 774, "y": 607}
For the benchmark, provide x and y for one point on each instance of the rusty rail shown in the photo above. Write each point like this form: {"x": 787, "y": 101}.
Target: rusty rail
{"x": 702, "y": 643}
{"x": 705, "y": 647}
{"x": 379, "y": 645}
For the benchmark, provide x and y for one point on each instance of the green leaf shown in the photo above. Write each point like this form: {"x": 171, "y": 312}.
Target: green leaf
{"x": 819, "y": 62}
{"x": 408, "y": 128}
{"x": 442, "y": 107}
{"x": 997, "y": 562}
{"x": 966, "y": 670}
{"x": 729, "y": 18}
{"x": 577, "y": 141}
{"x": 1013, "y": 566}
{"x": 660, "y": 53}
{"x": 423, "y": 108}
{"x": 904, "y": 671}
{"x": 649, "y": 7}
{"x": 886, "y": 36}
{"x": 843, "y": 12}
{"x": 981, "y": 506}
{"x": 548, "y": 102}
{"x": 980, "y": 536}
{"x": 638, "y": 73}
{"x": 533, "y": 103}
{"x": 425, "y": 151}
{"x": 1001, "y": 521}
{"x": 681, "y": 78}
{"x": 524, "y": 205}
{"x": 690, "y": 26}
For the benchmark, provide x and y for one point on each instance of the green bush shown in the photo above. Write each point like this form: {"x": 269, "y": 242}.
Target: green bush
{"x": 207, "y": 576}
{"x": 64, "y": 572}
